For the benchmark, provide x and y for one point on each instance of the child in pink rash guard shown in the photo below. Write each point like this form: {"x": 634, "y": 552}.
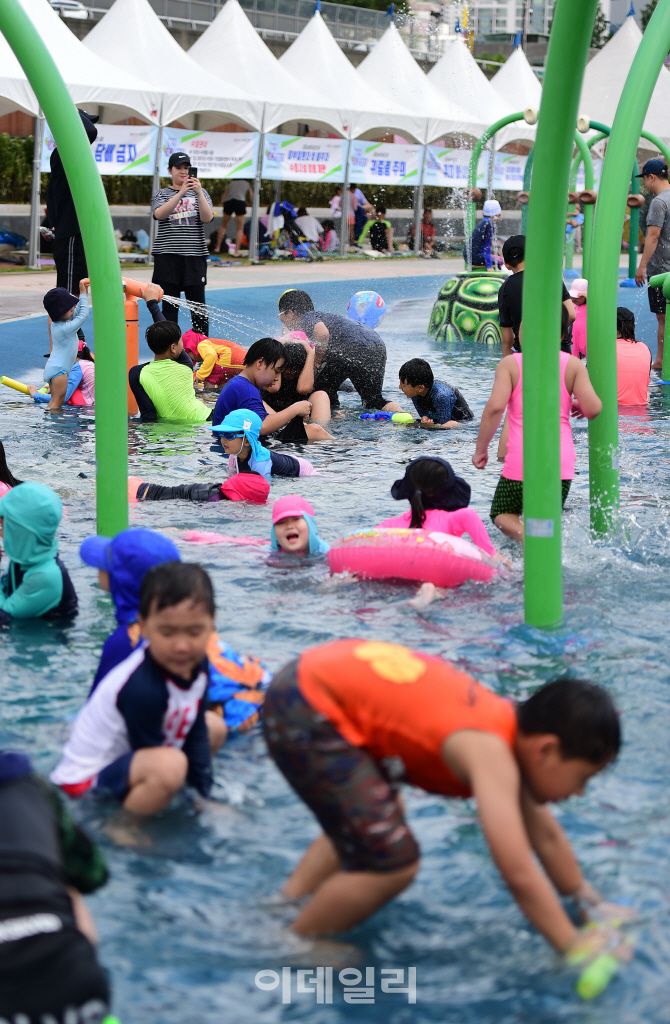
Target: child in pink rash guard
{"x": 438, "y": 500}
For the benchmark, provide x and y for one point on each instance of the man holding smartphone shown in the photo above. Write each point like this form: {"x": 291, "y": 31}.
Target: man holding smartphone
{"x": 179, "y": 250}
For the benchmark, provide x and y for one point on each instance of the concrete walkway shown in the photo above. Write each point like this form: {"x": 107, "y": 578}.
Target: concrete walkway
{"x": 21, "y": 292}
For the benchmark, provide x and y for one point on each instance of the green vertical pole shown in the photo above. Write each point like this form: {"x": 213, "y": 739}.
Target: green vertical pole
{"x": 471, "y": 207}
{"x": 584, "y": 153}
{"x": 604, "y": 271}
{"x": 111, "y": 416}
{"x": 527, "y": 177}
{"x": 663, "y": 281}
{"x": 566, "y": 59}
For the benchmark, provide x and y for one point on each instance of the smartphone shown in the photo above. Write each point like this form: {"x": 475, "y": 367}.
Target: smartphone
{"x": 193, "y": 172}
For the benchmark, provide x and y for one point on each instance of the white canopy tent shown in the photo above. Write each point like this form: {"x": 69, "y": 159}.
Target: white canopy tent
{"x": 361, "y": 107}
{"x": 131, "y": 35}
{"x": 91, "y": 81}
{"x": 391, "y": 66}
{"x": 605, "y": 77}
{"x": 517, "y": 83}
{"x": 255, "y": 68}
{"x": 458, "y": 76}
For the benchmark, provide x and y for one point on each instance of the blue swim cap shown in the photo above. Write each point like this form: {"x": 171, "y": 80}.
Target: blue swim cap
{"x": 367, "y": 308}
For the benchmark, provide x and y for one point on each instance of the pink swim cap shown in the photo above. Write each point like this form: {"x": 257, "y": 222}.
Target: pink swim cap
{"x": 291, "y": 505}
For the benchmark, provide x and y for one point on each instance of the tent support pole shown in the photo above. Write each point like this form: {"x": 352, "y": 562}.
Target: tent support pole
{"x": 344, "y": 237}
{"x": 418, "y": 208}
{"x": 97, "y": 232}
{"x": 492, "y": 160}
{"x": 156, "y": 184}
{"x": 253, "y": 240}
{"x": 34, "y": 238}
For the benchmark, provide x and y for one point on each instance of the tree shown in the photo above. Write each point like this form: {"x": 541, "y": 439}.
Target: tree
{"x": 601, "y": 30}
{"x": 647, "y": 12}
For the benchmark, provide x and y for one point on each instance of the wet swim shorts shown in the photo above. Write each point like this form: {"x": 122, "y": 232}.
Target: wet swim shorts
{"x": 508, "y": 498}
{"x": 353, "y": 796}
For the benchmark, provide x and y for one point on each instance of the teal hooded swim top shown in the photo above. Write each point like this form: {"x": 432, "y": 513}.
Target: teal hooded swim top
{"x": 36, "y": 582}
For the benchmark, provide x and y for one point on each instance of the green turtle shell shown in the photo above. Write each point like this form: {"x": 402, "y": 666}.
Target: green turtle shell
{"x": 467, "y": 308}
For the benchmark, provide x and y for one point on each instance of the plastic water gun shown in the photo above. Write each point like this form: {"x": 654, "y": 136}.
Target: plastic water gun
{"x": 596, "y": 975}
{"x": 395, "y": 417}
{"x": 16, "y": 384}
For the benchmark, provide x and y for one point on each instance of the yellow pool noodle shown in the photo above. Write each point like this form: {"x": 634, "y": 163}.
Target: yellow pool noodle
{"x": 16, "y": 384}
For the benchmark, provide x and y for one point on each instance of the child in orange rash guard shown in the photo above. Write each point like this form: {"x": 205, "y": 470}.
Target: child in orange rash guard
{"x": 219, "y": 359}
{"x": 348, "y": 721}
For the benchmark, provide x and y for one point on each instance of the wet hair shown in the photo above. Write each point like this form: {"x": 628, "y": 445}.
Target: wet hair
{"x": 268, "y": 349}
{"x": 428, "y": 477}
{"x": 380, "y": 209}
{"x": 581, "y": 714}
{"x": 6, "y": 475}
{"x": 86, "y": 353}
{"x": 161, "y": 336}
{"x": 565, "y": 321}
{"x": 296, "y": 356}
{"x": 625, "y": 323}
{"x": 415, "y": 372}
{"x": 296, "y": 301}
{"x": 169, "y": 584}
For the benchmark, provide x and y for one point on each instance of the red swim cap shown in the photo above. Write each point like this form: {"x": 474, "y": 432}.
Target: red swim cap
{"x": 246, "y": 487}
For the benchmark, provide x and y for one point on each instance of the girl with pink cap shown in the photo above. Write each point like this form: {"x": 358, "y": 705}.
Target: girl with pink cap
{"x": 294, "y": 528}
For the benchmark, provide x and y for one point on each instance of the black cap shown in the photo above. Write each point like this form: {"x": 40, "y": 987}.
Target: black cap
{"x": 93, "y": 118}
{"x": 179, "y": 158}
{"x": 654, "y": 166}
{"x": 513, "y": 242}
{"x": 454, "y": 495}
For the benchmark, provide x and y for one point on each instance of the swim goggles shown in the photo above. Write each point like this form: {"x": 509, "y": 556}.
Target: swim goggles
{"x": 230, "y": 435}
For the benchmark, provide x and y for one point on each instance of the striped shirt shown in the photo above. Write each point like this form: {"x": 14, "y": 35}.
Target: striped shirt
{"x": 181, "y": 233}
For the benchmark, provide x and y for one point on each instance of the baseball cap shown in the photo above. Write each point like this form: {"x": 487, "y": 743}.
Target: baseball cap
{"x": 179, "y": 158}
{"x": 511, "y": 243}
{"x": 654, "y": 166}
{"x": 580, "y": 286}
{"x": 492, "y": 208}
{"x": 246, "y": 487}
{"x": 291, "y": 505}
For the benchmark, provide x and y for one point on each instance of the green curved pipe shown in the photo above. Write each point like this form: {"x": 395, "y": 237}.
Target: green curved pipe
{"x": 471, "y": 207}
{"x": 604, "y": 273}
{"x": 111, "y": 416}
{"x": 527, "y": 177}
{"x": 583, "y": 154}
{"x": 566, "y": 59}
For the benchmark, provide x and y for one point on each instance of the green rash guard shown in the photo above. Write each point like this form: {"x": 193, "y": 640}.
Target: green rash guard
{"x": 169, "y": 385}
{"x": 31, "y": 514}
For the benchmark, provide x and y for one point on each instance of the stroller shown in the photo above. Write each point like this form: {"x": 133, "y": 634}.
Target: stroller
{"x": 286, "y": 239}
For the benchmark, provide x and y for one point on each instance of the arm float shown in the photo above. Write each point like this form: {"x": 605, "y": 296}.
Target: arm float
{"x": 16, "y": 384}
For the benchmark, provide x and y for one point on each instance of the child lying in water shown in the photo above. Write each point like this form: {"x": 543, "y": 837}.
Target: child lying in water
{"x": 294, "y": 528}
{"x": 239, "y": 437}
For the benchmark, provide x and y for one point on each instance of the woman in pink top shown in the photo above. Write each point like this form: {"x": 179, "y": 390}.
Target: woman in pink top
{"x": 578, "y": 294}
{"x": 438, "y": 500}
{"x": 633, "y": 361}
{"x": 507, "y": 505}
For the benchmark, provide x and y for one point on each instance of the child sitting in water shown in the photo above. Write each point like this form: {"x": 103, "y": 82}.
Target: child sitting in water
{"x": 437, "y": 404}
{"x": 295, "y": 382}
{"x": 80, "y": 381}
{"x": 341, "y": 716}
{"x": 142, "y": 733}
{"x": 166, "y": 384}
{"x": 294, "y": 528}
{"x": 66, "y": 315}
{"x": 239, "y": 436}
{"x": 218, "y": 358}
{"x": 36, "y": 583}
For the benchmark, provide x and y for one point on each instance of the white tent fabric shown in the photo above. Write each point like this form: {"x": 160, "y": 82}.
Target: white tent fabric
{"x": 131, "y": 35}
{"x": 361, "y": 107}
{"x": 91, "y": 81}
{"x": 391, "y": 67}
{"x": 517, "y": 83}
{"x": 458, "y": 76}
{"x": 605, "y": 77}
{"x": 254, "y": 67}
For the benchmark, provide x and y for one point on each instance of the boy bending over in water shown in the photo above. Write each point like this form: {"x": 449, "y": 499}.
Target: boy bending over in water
{"x": 142, "y": 735}
{"x": 339, "y": 716}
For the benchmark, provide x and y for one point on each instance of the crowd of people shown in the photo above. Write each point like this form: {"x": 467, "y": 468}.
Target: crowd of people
{"x": 168, "y": 690}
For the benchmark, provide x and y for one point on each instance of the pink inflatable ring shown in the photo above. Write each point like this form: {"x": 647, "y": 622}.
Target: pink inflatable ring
{"x": 427, "y": 557}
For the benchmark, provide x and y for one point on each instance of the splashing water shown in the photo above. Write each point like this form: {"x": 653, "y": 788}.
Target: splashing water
{"x": 230, "y": 322}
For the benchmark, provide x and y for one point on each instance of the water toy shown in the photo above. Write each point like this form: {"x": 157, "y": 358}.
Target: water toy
{"x": 395, "y": 417}
{"x": 427, "y": 557}
{"x": 466, "y": 308}
{"x": 595, "y": 978}
{"x": 16, "y": 384}
{"x": 402, "y": 417}
{"x": 366, "y": 308}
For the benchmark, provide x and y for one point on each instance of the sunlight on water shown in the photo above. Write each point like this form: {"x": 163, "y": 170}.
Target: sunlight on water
{"x": 183, "y": 925}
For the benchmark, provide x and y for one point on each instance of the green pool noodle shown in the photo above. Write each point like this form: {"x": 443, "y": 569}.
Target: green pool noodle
{"x": 595, "y": 978}
{"x": 402, "y": 417}
{"x": 111, "y": 1020}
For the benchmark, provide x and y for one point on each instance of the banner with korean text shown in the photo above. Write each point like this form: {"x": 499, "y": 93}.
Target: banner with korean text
{"x": 385, "y": 163}
{"x": 215, "y": 154}
{"x": 119, "y": 149}
{"x": 296, "y": 158}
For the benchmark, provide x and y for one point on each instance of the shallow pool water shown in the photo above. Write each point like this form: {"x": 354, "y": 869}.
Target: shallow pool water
{"x": 183, "y": 922}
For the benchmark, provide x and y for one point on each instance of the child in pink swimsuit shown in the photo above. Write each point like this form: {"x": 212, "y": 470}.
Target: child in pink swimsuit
{"x": 507, "y": 505}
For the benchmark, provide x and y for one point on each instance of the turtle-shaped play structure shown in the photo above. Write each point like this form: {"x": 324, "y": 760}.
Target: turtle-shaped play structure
{"x": 467, "y": 308}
